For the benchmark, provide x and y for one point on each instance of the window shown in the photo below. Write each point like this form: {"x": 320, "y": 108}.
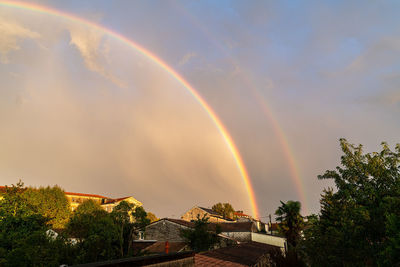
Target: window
{"x": 141, "y": 235}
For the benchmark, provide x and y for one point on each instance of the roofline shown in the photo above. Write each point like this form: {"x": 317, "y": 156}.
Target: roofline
{"x": 167, "y": 219}
{"x": 86, "y": 195}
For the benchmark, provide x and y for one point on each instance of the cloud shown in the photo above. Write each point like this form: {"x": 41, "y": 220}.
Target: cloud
{"x": 185, "y": 59}
{"x": 10, "y": 34}
{"x": 89, "y": 43}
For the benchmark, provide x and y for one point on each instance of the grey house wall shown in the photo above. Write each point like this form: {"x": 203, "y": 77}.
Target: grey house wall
{"x": 164, "y": 230}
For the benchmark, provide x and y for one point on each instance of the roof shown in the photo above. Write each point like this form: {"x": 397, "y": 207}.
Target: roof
{"x": 177, "y": 221}
{"x": 85, "y": 195}
{"x": 159, "y": 247}
{"x": 225, "y": 227}
{"x": 210, "y": 211}
{"x": 241, "y": 214}
{"x": 244, "y": 254}
{"x": 237, "y": 227}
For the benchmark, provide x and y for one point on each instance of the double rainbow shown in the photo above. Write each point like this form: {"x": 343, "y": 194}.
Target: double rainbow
{"x": 221, "y": 128}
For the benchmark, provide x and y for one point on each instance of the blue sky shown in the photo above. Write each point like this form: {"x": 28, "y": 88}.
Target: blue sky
{"x": 326, "y": 70}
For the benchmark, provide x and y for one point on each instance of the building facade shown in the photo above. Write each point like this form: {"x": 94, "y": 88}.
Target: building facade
{"x": 195, "y": 212}
{"x": 106, "y": 203}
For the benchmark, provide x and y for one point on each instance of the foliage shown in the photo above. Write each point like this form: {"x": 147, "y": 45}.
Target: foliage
{"x": 359, "y": 223}
{"x": 130, "y": 220}
{"x": 89, "y": 206}
{"x": 152, "y": 217}
{"x": 96, "y": 233}
{"x": 50, "y": 202}
{"x": 23, "y": 237}
{"x": 291, "y": 222}
{"x": 201, "y": 238}
{"x": 225, "y": 210}
{"x": 13, "y": 202}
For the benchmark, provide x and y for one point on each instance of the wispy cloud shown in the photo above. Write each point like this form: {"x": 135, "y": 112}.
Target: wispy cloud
{"x": 186, "y": 58}
{"x": 89, "y": 43}
{"x": 10, "y": 34}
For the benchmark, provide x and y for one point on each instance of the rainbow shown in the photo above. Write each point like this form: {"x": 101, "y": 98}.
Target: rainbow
{"x": 279, "y": 133}
{"x": 221, "y": 128}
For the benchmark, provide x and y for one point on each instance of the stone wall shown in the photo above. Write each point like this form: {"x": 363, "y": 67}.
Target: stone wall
{"x": 239, "y": 236}
{"x": 191, "y": 215}
{"x": 164, "y": 230}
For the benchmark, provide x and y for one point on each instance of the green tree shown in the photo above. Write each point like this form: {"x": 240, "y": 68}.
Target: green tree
{"x": 130, "y": 220}
{"x": 89, "y": 207}
{"x": 14, "y": 203}
{"x": 24, "y": 240}
{"x": 50, "y": 202}
{"x": 291, "y": 222}
{"x": 358, "y": 224}
{"x": 201, "y": 238}
{"x": 96, "y": 233}
{"x": 152, "y": 217}
{"x": 225, "y": 210}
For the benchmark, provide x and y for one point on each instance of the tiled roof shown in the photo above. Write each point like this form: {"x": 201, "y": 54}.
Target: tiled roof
{"x": 244, "y": 254}
{"x": 241, "y": 214}
{"x": 210, "y": 211}
{"x": 237, "y": 227}
{"x": 85, "y": 195}
{"x": 181, "y": 222}
{"x": 225, "y": 227}
{"x": 202, "y": 260}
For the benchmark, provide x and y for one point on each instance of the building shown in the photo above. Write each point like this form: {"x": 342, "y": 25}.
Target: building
{"x": 167, "y": 230}
{"x": 231, "y": 232}
{"x": 239, "y": 215}
{"x": 193, "y": 213}
{"x": 106, "y": 203}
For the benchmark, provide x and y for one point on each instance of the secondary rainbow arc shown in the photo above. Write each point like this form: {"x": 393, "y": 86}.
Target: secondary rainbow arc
{"x": 221, "y": 128}
{"x": 262, "y": 102}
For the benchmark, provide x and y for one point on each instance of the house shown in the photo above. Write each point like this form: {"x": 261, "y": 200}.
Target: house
{"x": 106, "y": 203}
{"x": 239, "y": 215}
{"x": 168, "y": 229}
{"x": 75, "y": 199}
{"x": 193, "y": 213}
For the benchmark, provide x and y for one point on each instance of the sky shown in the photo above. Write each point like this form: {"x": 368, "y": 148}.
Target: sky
{"x": 83, "y": 110}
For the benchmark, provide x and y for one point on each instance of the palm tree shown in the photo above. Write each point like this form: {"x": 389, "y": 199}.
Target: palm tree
{"x": 291, "y": 222}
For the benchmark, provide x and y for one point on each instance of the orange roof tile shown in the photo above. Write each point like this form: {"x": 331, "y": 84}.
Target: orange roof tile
{"x": 85, "y": 195}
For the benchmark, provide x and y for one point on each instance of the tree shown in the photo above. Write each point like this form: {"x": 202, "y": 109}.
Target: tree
{"x": 89, "y": 207}
{"x": 152, "y": 217}
{"x": 130, "y": 220}
{"x": 97, "y": 234}
{"x": 14, "y": 203}
{"x": 225, "y": 210}
{"x": 358, "y": 224}
{"x": 201, "y": 238}
{"x": 23, "y": 234}
{"x": 51, "y": 203}
{"x": 291, "y": 222}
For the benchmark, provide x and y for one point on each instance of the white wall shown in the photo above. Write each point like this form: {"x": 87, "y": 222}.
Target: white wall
{"x": 268, "y": 239}
{"x": 239, "y": 236}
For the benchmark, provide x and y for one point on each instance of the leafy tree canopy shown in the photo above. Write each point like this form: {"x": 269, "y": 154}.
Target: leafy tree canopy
{"x": 359, "y": 222}
{"x": 152, "y": 217}
{"x": 89, "y": 207}
{"x": 291, "y": 222}
{"x": 50, "y": 202}
{"x": 201, "y": 238}
{"x": 225, "y": 210}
